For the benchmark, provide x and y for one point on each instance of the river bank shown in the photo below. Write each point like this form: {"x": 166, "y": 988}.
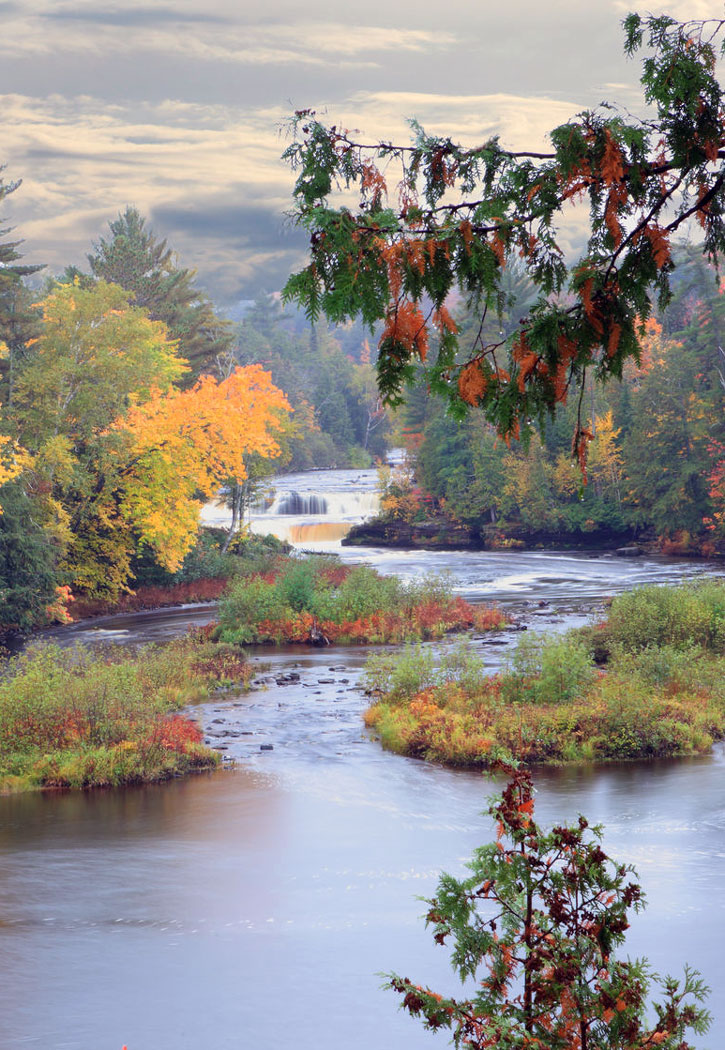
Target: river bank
{"x": 441, "y": 533}
{"x": 78, "y": 718}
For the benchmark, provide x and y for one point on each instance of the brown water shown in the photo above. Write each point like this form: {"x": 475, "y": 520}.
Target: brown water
{"x": 258, "y": 905}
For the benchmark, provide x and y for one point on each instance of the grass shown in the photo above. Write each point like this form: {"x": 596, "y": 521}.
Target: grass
{"x": 662, "y": 694}
{"x": 75, "y": 718}
{"x": 296, "y": 597}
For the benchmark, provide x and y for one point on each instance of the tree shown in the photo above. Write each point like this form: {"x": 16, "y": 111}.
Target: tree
{"x": 95, "y": 350}
{"x": 186, "y": 444}
{"x": 27, "y": 564}
{"x": 95, "y": 354}
{"x": 535, "y": 925}
{"x": 18, "y": 319}
{"x": 133, "y": 258}
{"x": 460, "y": 214}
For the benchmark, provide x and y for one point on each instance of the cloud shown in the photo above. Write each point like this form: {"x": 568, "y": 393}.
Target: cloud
{"x": 211, "y": 36}
{"x": 209, "y": 177}
{"x": 682, "y": 10}
{"x": 133, "y": 16}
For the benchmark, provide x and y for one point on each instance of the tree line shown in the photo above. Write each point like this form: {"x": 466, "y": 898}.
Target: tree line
{"x": 655, "y": 457}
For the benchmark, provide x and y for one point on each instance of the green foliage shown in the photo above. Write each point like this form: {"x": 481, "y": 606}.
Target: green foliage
{"x": 534, "y": 929}
{"x": 663, "y": 692}
{"x": 27, "y": 564}
{"x": 681, "y": 617}
{"x": 548, "y": 670}
{"x": 246, "y": 603}
{"x": 292, "y": 599}
{"x": 328, "y": 379}
{"x": 401, "y": 675}
{"x": 134, "y": 259}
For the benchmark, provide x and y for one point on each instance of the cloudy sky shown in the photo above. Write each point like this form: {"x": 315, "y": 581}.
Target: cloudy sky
{"x": 177, "y": 107}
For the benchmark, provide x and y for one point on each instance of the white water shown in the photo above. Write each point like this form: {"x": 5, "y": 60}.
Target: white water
{"x": 312, "y": 510}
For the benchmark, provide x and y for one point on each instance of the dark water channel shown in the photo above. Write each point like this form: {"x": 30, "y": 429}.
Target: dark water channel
{"x": 257, "y": 906}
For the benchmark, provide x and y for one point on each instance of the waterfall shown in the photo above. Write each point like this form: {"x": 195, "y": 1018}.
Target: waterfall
{"x": 298, "y": 503}
{"x": 312, "y": 510}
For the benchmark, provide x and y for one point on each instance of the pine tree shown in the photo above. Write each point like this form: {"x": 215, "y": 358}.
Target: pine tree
{"x": 18, "y": 319}
{"x": 533, "y": 931}
{"x": 135, "y": 259}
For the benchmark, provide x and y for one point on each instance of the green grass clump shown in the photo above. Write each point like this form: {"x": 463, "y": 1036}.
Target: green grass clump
{"x": 652, "y": 617}
{"x": 663, "y": 693}
{"x": 80, "y": 718}
{"x": 295, "y": 596}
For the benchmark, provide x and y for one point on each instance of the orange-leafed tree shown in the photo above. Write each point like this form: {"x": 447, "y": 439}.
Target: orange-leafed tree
{"x": 186, "y": 444}
{"x": 535, "y": 926}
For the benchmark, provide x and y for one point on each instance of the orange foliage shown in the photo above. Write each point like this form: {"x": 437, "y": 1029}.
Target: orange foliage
{"x": 189, "y": 442}
{"x": 660, "y": 244}
{"x": 472, "y": 382}
{"x": 406, "y": 326}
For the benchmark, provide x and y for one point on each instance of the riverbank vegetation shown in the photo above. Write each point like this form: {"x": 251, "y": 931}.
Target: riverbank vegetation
{"x": 78, "y": 718}
{"x": 321, "y": 600}
{"x": 661, "y": 692}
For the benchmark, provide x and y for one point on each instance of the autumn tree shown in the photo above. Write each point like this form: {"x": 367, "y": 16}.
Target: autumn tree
{"x": 186, "y": 444}
{"x": 119, "y": 457}
{"x": 135, "y": 259}
{"x": 95, "y": 352}
{"x": 533, "y": 931}
{"x": 458, "y": 215}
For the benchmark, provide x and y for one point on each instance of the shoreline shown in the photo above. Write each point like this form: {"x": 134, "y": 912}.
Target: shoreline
{"x": 441, "y": 534}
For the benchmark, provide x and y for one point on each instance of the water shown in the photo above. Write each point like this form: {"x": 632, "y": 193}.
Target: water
{"x": 313, "y": 510}
{"x": 259, "y": 904}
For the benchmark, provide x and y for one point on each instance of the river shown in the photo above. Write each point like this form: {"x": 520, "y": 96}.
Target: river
{"x": 259, "y": 904}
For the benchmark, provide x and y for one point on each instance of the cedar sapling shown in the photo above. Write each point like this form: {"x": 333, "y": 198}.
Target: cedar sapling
{"x": 535, "y": 926}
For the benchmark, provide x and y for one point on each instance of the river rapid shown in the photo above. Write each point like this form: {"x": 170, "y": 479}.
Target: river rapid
{"x": 258, "y": 905}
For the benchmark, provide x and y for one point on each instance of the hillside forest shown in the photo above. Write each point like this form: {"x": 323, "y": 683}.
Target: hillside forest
{"x": 656, "y": 463}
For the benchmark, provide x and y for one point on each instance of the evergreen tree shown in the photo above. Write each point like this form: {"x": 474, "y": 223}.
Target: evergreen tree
{"x": 458, "y": 216}
{"x": 18, "y": 318}
{"x": 27, "y": 563}
{"x": 135, "y": 259}
{"x": 533, "y": 932}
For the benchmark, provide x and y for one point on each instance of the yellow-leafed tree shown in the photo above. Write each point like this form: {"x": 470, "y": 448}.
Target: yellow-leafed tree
{"x": 188, "y": 443}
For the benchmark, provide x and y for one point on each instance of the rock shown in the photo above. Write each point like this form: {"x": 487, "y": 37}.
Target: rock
{"x": 628, "y": 552}
{"x": 266, "y": 747}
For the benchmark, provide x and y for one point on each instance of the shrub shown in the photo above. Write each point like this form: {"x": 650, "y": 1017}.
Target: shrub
{"x": 344, "y": 604}
{"x": 549, "y": 670}
{"x": 691, "y": 614}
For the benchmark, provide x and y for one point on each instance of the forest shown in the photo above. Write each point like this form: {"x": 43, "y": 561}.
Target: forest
{"x": 655, "y": 466}
{"x": 127, "y": 402}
